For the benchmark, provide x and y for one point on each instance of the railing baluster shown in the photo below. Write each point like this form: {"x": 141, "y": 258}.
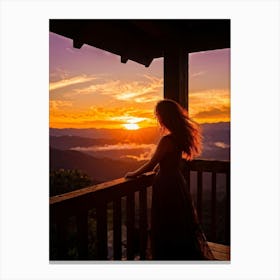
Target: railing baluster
{"x": 82, "y": 230}
{"x": 64, "y": 206}
{"x": 61, "y": 226}
{"x": 227, "y": 222}
{"x": 143, "y": 223}
{"x": 213, "y": 205}
{"x": 130, "y": 219}
{"x": 117, "y": 241}
{"x": 199, "y": 195}
{"x": 101, "y": 228}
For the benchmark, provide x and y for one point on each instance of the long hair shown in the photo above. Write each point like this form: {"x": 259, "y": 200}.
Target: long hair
{"x": 175, "y": 119}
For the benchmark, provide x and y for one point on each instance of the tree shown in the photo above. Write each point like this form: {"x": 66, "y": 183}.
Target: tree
{"x": 62, "y": 181}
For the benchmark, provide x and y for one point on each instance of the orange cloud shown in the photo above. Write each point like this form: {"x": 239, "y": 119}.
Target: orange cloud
{"x": 101, "y": 117}
{"x": 210, "y": 105}
{"x": 213, "y": 115}
{"x": 118, "y": 102}
{"x": 59, "y": 104}
{"x": 68, "y": 82}
{"x": 145, "y": 90}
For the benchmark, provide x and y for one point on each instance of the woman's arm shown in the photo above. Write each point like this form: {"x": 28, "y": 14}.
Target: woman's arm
{"x": 143, "y": 169}
{"x": 159, "y": 153}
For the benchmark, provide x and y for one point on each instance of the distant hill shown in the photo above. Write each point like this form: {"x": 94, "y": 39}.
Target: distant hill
{"x": 216, "y": 140}
{"x": 98, "y": 169}
{"x": 216, "y": 132}
{"x": 68, "y": 142}
{"x": 143, "y": 135}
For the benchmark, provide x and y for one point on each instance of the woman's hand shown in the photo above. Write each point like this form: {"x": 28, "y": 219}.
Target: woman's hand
{"x": 130, "y": 175}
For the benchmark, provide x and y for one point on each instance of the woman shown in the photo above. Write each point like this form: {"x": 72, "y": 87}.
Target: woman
{"x": 176, "y": 232}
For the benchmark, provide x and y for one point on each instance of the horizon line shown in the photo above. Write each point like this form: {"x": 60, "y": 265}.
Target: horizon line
{"x": 141, "y": 128}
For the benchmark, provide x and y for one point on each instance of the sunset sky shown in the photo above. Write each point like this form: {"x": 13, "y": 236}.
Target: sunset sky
{"x": 91, "y": 88}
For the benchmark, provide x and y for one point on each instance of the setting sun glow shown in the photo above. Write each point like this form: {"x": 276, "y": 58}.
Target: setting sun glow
{"x": 131, "y": 126}
{"x": 113, "y": 95}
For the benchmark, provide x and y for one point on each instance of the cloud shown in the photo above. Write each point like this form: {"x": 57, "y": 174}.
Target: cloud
{"x": 120, "y": 113}
{"x": 59, "y": 104}
{"x": 99, "y": 117}
{"x": 59, "y": 74}
{"x": 210, "y": 105}
{"x": 145, "y": 150}
{"x": 128, "y": 119}
{"x": 116, "y": 102}
{"x": 104, "y": 87}
{"x": 221, "y": 145}
{"x": 71, "y": 81}
{"x": 147, "y": 99}
{"x": 67, "y": 121}
{"x": 130, "y": 146}
{"x": 97, "y": 123}
{"x": 211, "y": 94}
{"x": 197, "y": 74}
{"x": 213, "y": 112}
{"x": 142, "y": 91}
{"x": 141, "y": 157}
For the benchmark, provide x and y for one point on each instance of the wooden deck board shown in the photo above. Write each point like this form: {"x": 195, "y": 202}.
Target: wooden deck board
{"x": 220, "y": 252}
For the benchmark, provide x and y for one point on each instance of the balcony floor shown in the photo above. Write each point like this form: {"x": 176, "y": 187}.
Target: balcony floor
{"x": 220, "y": 252}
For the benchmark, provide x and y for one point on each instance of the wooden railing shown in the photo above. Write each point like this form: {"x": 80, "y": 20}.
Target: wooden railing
{"x": 213, "y": 168}
{"x": 118, "y": 197}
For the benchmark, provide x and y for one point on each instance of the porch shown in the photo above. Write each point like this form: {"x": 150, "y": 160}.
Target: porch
{"x": 111, "y": 221}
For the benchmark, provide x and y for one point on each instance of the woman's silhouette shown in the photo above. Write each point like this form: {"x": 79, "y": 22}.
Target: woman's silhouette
{"x": 176, "y": 232}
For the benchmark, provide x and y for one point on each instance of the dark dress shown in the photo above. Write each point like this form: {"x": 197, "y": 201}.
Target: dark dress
{"x": 176, "y": 232}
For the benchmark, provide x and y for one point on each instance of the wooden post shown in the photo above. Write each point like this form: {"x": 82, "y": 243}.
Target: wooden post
{"x": 176, "y": 75}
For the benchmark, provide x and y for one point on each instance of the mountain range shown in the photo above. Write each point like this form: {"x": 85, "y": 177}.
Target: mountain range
{"x": 106, "y": 154}
{"x": 99, "y": 170}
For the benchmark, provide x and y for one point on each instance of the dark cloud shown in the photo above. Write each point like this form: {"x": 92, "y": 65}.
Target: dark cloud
{"x": 213, "y": 113}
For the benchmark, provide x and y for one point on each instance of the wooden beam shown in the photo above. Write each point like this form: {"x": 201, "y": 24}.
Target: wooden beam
{"x": 77, "y": 44}
{"x": 176, "y": 76}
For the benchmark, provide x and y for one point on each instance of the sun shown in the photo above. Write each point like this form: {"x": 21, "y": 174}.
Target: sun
{"x": 131, "y": 126}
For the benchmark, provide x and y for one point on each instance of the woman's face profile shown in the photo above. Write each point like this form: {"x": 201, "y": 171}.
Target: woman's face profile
{"x": 157, "y": 116}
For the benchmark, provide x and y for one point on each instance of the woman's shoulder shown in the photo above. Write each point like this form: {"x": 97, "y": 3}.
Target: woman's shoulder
{"x": 169, "y": 137}
{"x": 167, "y": 140}
{"x": 170, "y": 141}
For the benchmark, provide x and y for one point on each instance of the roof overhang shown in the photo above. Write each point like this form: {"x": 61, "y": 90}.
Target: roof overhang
{"x": 144, "y": 40}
